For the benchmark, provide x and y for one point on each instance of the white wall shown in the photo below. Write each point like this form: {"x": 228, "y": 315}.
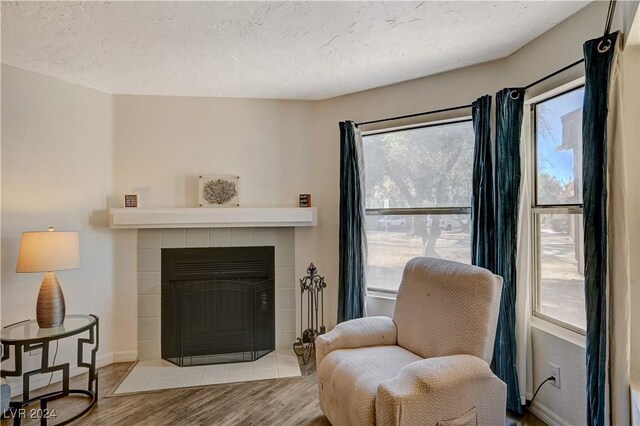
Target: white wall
{"x": 631, "y": 98}
{"x": 162, "y": 144}
{"x": 627, "y": 15}
{"x": 57, "y": 170}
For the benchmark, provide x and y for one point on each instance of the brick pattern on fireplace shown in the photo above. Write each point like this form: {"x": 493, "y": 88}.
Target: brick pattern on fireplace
{"x": 151, "y": 241}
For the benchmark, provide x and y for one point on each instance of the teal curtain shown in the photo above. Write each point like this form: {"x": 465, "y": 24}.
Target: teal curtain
{"x": 352, "y": 289}
{"x": 482, "y": 213}
{"x": 598, "y": 55}
{"x": 509, "y": 109}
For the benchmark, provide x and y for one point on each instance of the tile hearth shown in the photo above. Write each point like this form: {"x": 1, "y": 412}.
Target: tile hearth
{"x": 160, "y": 374}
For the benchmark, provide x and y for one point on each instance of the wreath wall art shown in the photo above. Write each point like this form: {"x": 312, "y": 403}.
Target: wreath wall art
{"x": 219, "y": 191}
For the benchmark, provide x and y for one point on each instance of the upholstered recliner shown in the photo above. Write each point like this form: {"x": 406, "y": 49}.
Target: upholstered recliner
{"x": 426, "y": 366}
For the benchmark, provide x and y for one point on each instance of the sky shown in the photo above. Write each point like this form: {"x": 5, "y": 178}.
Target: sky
{"x": 558, "y": 164}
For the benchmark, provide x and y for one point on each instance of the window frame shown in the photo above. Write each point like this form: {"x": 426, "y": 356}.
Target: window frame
{"x": 538, "y": 209}
{"x": 402, "y": 211}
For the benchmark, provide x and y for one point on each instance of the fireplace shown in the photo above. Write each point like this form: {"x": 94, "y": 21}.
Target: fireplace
{"x": 217, "y": 304}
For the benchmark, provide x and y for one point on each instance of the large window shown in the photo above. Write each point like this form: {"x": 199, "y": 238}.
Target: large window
{"x": 418, "y": 197}
{"x": 557, "y": 210}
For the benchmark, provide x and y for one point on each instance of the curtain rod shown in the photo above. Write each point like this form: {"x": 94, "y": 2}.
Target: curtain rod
{"x": 607, "y": 29}
{"x": 610, "y": 13}
{"x": 553, "y": 74}
{"x": 400, "y": 117}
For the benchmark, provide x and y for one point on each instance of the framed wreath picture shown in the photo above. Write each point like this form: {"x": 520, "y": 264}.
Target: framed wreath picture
{"x": 219, "y": 191}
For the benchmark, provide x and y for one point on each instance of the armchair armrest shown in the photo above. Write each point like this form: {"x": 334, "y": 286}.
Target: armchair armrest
{"x": 357, "y": 333}
{"x": 442, "y": 391}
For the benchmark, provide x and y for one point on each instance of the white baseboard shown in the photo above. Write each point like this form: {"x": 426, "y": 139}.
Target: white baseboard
{"x": 125, "y": 356}
{"x": 101, "y": 361}
{"x": 546, "y": 415}
{"x": 113, "y": 357}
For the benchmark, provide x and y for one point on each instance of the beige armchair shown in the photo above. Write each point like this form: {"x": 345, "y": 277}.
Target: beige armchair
{"x": 426, "y": 366}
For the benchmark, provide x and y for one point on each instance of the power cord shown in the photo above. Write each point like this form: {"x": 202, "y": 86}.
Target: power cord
{"x": 550, "y": 378}
{"x": 53, "y": 363}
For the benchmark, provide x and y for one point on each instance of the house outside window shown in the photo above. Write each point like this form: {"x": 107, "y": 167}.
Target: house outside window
{"x": 418, "y": 197}
{"x": 558, "y": 252}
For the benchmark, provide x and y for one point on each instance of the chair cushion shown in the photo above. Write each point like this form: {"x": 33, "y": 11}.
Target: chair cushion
{"x": 447, "y": 308}
{"x": 349, "y": 379}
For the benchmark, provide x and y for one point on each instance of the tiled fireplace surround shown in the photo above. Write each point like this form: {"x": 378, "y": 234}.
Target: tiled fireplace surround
{"x": 150, "y": 243}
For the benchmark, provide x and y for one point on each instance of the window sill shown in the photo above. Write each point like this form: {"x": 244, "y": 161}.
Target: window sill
{"x": 558, "y": 331}
{"x": 538, "y": 323}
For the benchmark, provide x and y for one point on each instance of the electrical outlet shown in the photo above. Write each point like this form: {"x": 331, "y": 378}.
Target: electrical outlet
{"x": 554, "y": 371}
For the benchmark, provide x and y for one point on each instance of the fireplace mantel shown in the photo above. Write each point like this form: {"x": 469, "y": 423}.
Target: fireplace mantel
{"x": 236, "y": 217}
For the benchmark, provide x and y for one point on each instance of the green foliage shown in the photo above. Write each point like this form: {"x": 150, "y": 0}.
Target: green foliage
{"x": 423, "y": 167}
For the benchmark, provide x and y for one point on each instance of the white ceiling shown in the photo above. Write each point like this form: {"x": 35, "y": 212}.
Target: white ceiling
{"x": 288, "y": 50}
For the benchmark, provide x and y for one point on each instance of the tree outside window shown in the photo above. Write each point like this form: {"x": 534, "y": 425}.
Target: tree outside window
{"x": 418, "y": 195}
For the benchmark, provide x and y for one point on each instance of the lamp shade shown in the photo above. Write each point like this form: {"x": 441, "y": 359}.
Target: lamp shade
{"x": 48, "y": 251}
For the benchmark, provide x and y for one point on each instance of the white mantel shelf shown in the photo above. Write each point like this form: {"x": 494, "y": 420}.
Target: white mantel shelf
{"x": 234, "y": 217}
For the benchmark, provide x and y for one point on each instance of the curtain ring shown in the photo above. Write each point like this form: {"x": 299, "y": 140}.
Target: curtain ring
{"x": 517, "y": 95}
{"x": 606, "y": 48}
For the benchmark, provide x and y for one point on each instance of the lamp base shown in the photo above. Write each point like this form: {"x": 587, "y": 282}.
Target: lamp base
{"x": 50, "y": 309}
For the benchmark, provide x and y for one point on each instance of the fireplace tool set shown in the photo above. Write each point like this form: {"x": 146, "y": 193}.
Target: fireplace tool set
{"x": 313, "y": 285}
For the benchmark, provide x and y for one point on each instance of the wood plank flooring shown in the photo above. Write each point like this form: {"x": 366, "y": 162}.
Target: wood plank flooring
{"x": 291, "y": 401}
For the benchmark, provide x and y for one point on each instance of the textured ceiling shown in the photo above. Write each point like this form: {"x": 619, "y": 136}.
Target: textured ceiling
{"x": 288, "y": 50}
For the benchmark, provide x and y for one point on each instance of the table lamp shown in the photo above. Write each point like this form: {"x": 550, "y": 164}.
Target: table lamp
{"x": 49, "y": 251}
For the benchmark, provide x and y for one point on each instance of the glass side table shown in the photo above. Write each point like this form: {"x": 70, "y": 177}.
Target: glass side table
{"x": 26, "y": 336}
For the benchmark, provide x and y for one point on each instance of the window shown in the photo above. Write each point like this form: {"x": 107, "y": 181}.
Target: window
{"x": 418, "y": 197}
{"x": 557, "y": 211}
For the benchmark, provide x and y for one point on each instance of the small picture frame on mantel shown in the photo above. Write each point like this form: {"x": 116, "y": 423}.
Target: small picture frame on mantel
{"x": 305, "y": 200}
{"x": 131, "y": 200}
{"x": 219, "y": 191}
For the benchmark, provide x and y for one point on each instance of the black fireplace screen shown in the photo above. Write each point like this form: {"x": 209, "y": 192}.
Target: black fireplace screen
{"x": 217, "y": 304}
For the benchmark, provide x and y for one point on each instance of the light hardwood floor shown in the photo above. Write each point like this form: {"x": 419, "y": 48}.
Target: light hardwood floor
{"x": 269, "y": 402}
